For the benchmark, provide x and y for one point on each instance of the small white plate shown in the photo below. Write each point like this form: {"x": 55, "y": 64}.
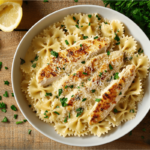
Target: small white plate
{"x": 48, "y": 130}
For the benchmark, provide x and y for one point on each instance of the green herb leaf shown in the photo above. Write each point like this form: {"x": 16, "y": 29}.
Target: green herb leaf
{"x": 85, "y": 37}
{"x": 89, "y": 79}
{"x": 4, "y": 110}
{"x": 45, "y": 1}
{"x": 117, "y": 43}
{"x": 79, "y": 111}
{"x": 6, "y": 82}
{"x": 116, "y": 76}
{"x": 93, "y": 91}
{"x": 67, "y": 43}
{"x": 19, "y": 122}
{"x": 105, "y": 22}
{"x": 77, "y": 26}
{"x": 48, "y": 94}
{"x": 80, "y": 45}
{"x": 72, "y": 95}
{"x": 117, "y": 37}
{"x": 57, "y": 106}
{"x": 6, "y": 68}
{"x": 74, "y": 18}
{"x": 98, "y": 99}
{"x": 6, "y": 94}
{"x": 108, "y": 53}
{"x": 143, "y": 129}
{"x": 65, "y": 120}
{"x": 29, "y": 131}
{"x": 60, "y": 92}
{"x": 130, "y": 133}
{"x": 89, "y": 16}
{"x": 0, "y": 65}
{"x": 2, "y": 105}
{"x": 0, "y": 98}
{"x": 100, "y": 74}
{"x": 140, "y": 51}
{"x": 84, "y": 99}
{"x": 75, "y": 0}
{"x": 29, "y": 105}
{"x": 96, "y": 37}
{"x": 120, "y": 93}
{"x": 15, "y": 116}
{"x": 78, "y": 22}
{"x": 25, "y": 120}
{"x": 89, "y": 23}
{"x": 13, "y": 107}
{"x": 71, "y": 86}
{"x": 110, "y": 67}
{"x": 22, "y": 61}
{"x": 34, "y": 65}
{"x": 115, "y": 110}
{"x": 66, "y": 86}
{"x": 12, "y": 94}
{"x": 74, "y": 74}
{"x": 5, "y": 119}
{"x": 55, "y": 54}
{"x": 84, "y": 73}
{"x": 69, "y": 115}
{"x": 83, "y": 62}
{"x": 132, "y": 110}
{"x": 62, "y": 25}
{"x": 63, "y": 101}
{"x": 56, "y": 112}
{"x": 98, "y": 17}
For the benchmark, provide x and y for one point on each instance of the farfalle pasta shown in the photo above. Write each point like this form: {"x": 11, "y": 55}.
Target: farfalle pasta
{"x": 84, "y": 75}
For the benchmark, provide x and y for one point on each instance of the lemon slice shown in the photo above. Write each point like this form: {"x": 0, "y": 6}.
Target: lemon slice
{"x": 10, "y": 16}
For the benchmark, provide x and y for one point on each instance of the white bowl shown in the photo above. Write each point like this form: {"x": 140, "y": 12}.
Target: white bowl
{"x": 48, "y": 130}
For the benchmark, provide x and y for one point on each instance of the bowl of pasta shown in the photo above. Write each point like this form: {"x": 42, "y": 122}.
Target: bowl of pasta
{"x": 80, "y": 75}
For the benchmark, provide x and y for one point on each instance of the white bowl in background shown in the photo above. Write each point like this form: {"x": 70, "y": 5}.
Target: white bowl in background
{"x": 45, "y": 128}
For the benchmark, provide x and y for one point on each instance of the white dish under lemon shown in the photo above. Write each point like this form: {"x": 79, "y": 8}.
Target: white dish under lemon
{"x": 44, "y": 128}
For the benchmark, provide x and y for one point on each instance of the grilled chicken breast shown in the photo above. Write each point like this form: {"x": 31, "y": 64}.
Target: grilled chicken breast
{"x": 70, "y": 59}
{"x": 112, "y": 94}
{"x": 98, "y": 80}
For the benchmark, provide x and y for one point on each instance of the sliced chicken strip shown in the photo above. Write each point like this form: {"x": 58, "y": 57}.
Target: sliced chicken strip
{"x": 98, "y": 80}
{"x": 112, "y": 94}
{"x": 70, "y": 59}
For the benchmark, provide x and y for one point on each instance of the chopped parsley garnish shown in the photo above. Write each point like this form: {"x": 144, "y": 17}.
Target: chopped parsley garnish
{"x": 89, "y": 23}
{"x": 15, "y": 116}
{"x": 79, "y": 111}
{"x": 105, "y": 70}
{"x": 93, "y": 91}
{"x": 4, "y": 110}
{"x": 29, "y": 105}
{"x": 6, "y": 94}
{"x": 84, "y": 99}
{"x": 98, "y": 17}
{"x": 67, "y": 43}
{"x": 98, "y": 99}
{"x": 57, "y": 106}
{"x": 75, "y": 0}
{"x": 100, "y": 27}
{"x": 130, "y": 133}
{"x": 78, "y": 22}
{"x": 45, "y": 1}
{"x": 132, "y": 110}
{"x": 140, "y": 51}
{"x": 117, "y": 43}
{"x": 115, "y": 110}
{"x": 0, "y": 65}
{"x": 56, "y": 112}
{"x": 116, "y": 75}
{"x": 2, "y": 105}
{"x": 117, "y": 37}
{"x": 29, "y": 131}
{"x": 25, "y": 120}
{"x": 45, "y": 112}
{"x": 69, "y": 115}
{"x": 6, "y": 68}
{"x": 78, "y": 87}
{"x": 105, "y": 22}
{"x": 55, "y": 54}
{"x": 89, "y": 16}
{"x": 142, "y": 137}
{"x": 6, "y": 82}
{"x": 74, "y": 18}
{"x": 62, "y": 25}
{"x": 35, "y": 59}
{"x": 85, "y": 37}
{"x": 46, "y": 117}
{"x": 63, "y": 101}
{"x": 143, "y": 129}
{"x": 100, "y": 74}
{"x": 34, "y": 65}
{"x": 48, "y": 94}
{"x": 19, "y": 122}
{"x": 13, "y": 108}
{"x": 65, "y": 120}
{"x": 74, "y": 74}
{"x": 83, "y": 62}
{"x": 66, "y": 86}
{"x": 48, "y": 63}
{"x": 22, "y": 61}
{"x": 81, "y": 26}
{"x": 65, "y": 30}
{"x": 84, "y": 73}
{"x": 89, "y": 79}
{"x": 71, "y": 86}
{"x": 108, "y": 53}
{"x": 120, "y": 93}
{"x": 74, "y": 41}
{"x": 80, "y": 45}
{"x": 96, "y": 37}
{"x": 5, "y": 119}
{"x": 110, "y": 67}
{"x": 12, "y": 94}
{"x": 72, "y": 95}
{"x": 77, "y": 26}
{"x": 0, "y": 97}
{"x": 130, "y": 58}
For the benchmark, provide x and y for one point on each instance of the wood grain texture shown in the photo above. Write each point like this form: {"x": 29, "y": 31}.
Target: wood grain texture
{"x": 16, "y": 137}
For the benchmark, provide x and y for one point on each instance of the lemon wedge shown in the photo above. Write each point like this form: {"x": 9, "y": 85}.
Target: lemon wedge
{"x": 15, "y": 1}
{"x": 10, "y": 16}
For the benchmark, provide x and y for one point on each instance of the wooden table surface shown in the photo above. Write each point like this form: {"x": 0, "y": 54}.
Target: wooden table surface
{"x": 14, "y": 136}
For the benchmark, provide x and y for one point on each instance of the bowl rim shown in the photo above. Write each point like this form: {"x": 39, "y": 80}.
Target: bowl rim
{"x": 12, "y": 72}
